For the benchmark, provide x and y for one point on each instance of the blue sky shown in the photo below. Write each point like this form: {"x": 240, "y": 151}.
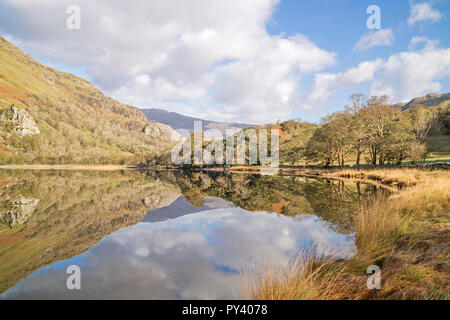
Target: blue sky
{"x": 336, "y": 25}
{"x": 254, "y": 61}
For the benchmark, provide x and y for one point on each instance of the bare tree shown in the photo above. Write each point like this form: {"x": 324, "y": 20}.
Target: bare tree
{"x": 422, "y": 120}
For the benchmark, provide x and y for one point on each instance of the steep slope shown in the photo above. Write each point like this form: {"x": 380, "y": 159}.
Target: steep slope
{"x": 49, "y": 116}
{"x": 430, "y": 100}
{"x": 179, "y": 121}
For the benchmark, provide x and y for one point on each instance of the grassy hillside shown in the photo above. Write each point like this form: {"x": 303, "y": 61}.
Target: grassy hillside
{"x": 430, "y": 100}
{"x": 49, "y": 116}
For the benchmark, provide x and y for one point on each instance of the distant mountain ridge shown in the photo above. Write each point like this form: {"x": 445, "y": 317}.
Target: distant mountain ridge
{"x": 430, "y": 100}
{"x": 179, "y": 121}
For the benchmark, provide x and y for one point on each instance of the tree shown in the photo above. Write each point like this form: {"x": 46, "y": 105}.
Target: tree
{"x": 396, "y": 145}
{"x": 357, "y": 129}
{"x": 373, "y": 124}
{"x": 422, "y": 120}
{"x": 417, "y": 151}
{"x": 340, "y": 127}
{"x": 332, "y": 140}
{"x": 377, "y": 118}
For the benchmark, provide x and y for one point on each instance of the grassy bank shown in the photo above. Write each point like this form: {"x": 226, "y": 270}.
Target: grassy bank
{"x": 407, "y": 235}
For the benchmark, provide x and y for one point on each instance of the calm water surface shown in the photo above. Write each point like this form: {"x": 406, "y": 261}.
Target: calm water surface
{"x": 162, "y": 235}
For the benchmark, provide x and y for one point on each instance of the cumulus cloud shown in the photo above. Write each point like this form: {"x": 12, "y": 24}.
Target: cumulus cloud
{"x": 407, "y": 75}
{"x": 327, "y": 84}
{"x": 383, "y": 37}
{"x": 423, "y": 12}
{"x": 202, "y": 54}
{"x": 429, "y": 44}
{"x": 402, "y": 76}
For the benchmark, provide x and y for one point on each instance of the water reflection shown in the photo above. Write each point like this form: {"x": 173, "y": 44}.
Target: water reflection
{"x": 197, "y": 256}
{"x": 181, "y": 207}
{"x": 179, "y": 235}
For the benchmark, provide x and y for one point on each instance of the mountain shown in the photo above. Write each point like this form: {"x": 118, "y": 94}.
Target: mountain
{"x": 48, "y": 116}
{"x": 430, "y": 100}
{"x": 179, "y": 121}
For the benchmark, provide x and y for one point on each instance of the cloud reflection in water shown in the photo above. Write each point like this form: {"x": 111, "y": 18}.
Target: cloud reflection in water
{"x": 197, "y": 256}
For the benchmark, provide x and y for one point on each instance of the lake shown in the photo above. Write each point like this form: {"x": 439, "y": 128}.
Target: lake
{"x": 162, "y": 235}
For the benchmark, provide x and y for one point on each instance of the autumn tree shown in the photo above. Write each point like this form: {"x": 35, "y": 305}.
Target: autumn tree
{"x": 322, "y": 147}
{"x": 373, "y": 125}
{"x": 332, "y": 141}
{"x": 356, "y": 125}
{"x": 422, "y": 120}
{"x": 377, "y": 118}
{"x": 396, "y": 145}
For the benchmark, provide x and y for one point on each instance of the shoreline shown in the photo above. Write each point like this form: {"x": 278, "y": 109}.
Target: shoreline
{"x": 306, "y": 170}
{"x": 89, "y": 167}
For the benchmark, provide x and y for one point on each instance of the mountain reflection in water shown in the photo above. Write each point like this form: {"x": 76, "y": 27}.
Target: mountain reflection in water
{"x": 196, "y": 231}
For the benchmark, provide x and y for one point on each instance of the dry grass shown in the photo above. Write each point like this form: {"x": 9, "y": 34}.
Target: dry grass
{"x": 402, "y": 177}
{"x": 376, "y": 227}
{"x": 407, "y": 235}
{"x": 307, "y": 277}
{"x": 381, "y": 223}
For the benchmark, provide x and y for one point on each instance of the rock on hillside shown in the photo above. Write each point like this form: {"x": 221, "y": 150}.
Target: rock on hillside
{"x": 21, "y": 209}
{"x": 24, "y": 123}
{"x": 161, "y": 130}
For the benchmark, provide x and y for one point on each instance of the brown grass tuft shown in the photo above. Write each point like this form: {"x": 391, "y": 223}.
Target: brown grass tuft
{"x": 306, "y": 277}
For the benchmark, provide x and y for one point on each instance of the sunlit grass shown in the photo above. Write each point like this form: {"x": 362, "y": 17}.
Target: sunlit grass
{"x": 306, "y": 277}
{"x": 412, "y": 216}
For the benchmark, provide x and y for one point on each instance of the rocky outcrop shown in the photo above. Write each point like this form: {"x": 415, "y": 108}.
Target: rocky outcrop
{"x": 160, "y": 200}
{"x": 151, "y": 130}
{"x": 156, "y": 129}
{"x": 168, "y": 132}
{"x": 21, "y": 210}
{"x": 24, "y": 123}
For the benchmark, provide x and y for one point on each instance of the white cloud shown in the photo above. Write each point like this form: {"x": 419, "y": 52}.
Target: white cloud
{"x": 402, "y": 76}
{"x": 429, "y": 43}
{"x": 407, "y": 75}
{"x": 423, "y": 12}
{"x": 214, "y": 59}
{"x": 174, "y": 54}
{"x": 383, "y": 37}
{"x": 326, "y": 84}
